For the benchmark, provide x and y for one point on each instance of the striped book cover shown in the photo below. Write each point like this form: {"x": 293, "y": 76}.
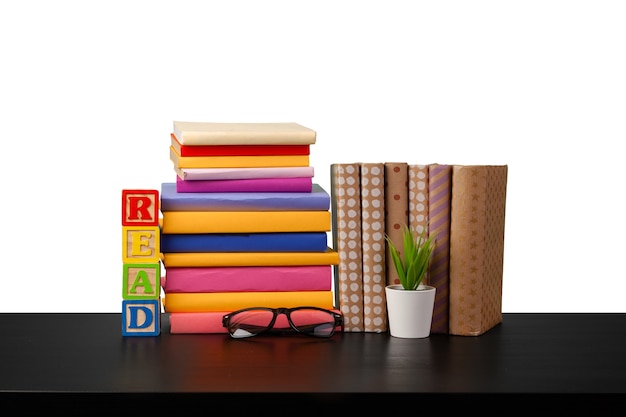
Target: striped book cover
{"x": 439, "y": 200}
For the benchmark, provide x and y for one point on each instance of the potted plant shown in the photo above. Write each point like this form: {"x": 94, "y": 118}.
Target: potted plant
{"x": 410, "y": 304}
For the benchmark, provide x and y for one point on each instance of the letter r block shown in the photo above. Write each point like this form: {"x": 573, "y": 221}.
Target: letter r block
{"x": 141, "y": 281}
{"x": 140, "y": 207}
{"x": 141, "y": 244}
{"x": 141, "y": 318}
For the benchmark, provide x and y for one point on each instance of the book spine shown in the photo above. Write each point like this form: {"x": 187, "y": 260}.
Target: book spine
{"x": 396, "y": 211}
{"x": 418, "y": 202}
{"x": 373, "y": 246}
{"x": 253, "y": 185}
{"x": 477, "y": 248}
{"x": 230, "y": 301}
{"x": 242, "y": 173}
{"x": 346, "y": 234}
{"x": 277, "y": 243}
{"x": 439, "y": 199}
{"x": 171, "y": 200}
{"x": 201, "y": 133}
{"x": 206, "y": 259}
{"x": 209, "y": 322}
{"x": 255, "y": 161}
{"x": 248, "y": 278}
{"x": 245, "y": 221}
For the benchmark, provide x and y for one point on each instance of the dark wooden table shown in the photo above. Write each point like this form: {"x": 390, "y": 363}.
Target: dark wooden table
{"x": 571, "y": 354}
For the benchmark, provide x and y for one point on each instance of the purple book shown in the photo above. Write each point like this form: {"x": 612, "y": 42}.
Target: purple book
{"x": 171, "y": 200}
{"x": 257, "y": 185}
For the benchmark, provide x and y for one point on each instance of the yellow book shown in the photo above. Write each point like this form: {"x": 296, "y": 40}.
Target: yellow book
{"x": 245, "y": 221}
{"x": 196, "y": 302}
{"x": 239, "y": 161}
{"x": 205, "y": 259}
{"x": 210, "y": 133}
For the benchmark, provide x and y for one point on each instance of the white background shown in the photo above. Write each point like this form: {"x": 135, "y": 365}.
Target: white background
{"x": 89, "y": 90}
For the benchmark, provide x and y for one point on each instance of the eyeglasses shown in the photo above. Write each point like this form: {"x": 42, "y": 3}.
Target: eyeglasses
{"x": 253, "y": 321}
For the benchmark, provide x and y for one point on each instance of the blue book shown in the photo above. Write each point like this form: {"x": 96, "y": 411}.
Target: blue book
{"x": 171, "y": 200}
{"x": 244, "y": 242}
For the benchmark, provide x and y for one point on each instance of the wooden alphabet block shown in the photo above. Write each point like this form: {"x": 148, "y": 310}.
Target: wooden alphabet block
{"x": 141, "y": 244}
{"x": 140, "y": 207}
{"x": 141, "y": 281}
{"x": 141, "y": 317}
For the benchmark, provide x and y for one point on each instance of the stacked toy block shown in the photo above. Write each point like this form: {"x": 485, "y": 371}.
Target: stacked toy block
{"x": 141, "y": 289}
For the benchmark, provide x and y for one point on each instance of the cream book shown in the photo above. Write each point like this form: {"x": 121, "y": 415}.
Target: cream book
{"x": 207, "y": 133}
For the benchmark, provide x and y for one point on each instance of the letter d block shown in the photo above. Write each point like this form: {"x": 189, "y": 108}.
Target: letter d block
{"x": 141, "y": 318}
{"x": 140, "y": 208}
{"x": 141, "y": 244}
{"x": 141, "y": 282}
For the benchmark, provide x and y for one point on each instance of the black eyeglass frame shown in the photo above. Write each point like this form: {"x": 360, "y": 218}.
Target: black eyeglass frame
{"x": 338, "y": 320}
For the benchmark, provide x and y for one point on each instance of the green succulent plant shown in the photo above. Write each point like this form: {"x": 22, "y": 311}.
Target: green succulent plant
{"x": 417, "y": 253}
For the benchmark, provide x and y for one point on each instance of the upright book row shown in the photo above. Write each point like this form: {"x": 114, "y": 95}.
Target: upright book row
{"x": 462, "y": 206}
{"x": 243, "y": 224}
{"x": 141, "y": 271}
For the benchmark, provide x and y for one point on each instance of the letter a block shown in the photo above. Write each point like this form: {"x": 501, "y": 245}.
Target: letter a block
{"x": 141, "y": 318}
{"x": 141, "y": 282}
{"x": 140, "y": 207}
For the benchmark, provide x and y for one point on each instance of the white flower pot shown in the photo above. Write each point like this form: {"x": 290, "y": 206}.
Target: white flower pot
{"x": 410, "y": 312}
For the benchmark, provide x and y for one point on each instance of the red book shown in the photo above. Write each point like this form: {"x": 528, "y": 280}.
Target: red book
{"x": 235, "y": 150}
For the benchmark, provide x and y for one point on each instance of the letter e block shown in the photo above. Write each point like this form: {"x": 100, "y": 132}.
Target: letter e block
{"x": 140, "y": 208}
{"x": 141, "y": 282}
{"x": 141, "y": 318}
{"x": 141, "y": 244}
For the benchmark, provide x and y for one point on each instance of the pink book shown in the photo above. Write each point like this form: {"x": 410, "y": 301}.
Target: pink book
{"x": 210, "y": 322}
{"x": 247, "y": 278}
{"x": 296, "y": 184}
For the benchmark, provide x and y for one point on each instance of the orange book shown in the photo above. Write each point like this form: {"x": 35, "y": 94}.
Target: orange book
{"x": 245, "y": 221}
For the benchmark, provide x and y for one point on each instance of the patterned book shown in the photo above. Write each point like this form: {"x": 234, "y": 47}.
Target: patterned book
{"x": 201, "y": 259}
{"x": 477, "y": 248}
{"x": 373, "y": 246}
{"x": 418, "y": 201}
{"x": 439, "y": 199}
{"x": 210, "y": 133}
{"x": 396, "y": 211}
{"x": 248, "y": 278}
{"x": 195, "y": 302}
{"x": 346, "y": 233}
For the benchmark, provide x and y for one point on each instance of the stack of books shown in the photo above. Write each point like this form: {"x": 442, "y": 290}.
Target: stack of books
{"x": 243, "y": 225}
